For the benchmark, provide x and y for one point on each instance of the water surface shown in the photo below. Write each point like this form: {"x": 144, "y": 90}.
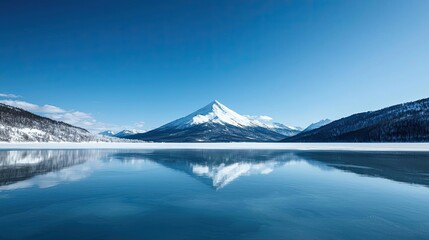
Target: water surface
{"x": 213, "y": 194}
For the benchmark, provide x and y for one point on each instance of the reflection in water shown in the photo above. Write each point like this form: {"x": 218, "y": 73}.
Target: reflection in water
{"x": 221, "y": 167}
{"x": 225, "y": 174}
{"x": 170, "y": 194}
{"x": 398, "y": 166}
{"x": 44, "y": 168}
{"x": 216, "y": 168}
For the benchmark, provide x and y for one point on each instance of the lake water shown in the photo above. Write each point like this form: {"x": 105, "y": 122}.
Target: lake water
{"x": 213, "y": 194}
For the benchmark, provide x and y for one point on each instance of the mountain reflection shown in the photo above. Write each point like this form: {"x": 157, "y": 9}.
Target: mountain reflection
{"x": 218, "y": 168}
{"x": 215, "y": 168}
{"x": 19, "y": 167}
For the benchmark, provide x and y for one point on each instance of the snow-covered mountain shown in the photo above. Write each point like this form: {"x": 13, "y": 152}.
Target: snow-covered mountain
{"x": 407, "y": 122}
{"x": 108, "y": 133}
{"x": 316, "y": 125}
{"x": 268, "y": 122}
{"x": 121, "y": 134}
{"x": 213, "y": 123}
{"x": 18, "y": 125}
{"x": 126, "y": 132}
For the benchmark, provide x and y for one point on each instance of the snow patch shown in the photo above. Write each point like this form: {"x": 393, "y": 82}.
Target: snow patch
{"x": 418, "y": 147}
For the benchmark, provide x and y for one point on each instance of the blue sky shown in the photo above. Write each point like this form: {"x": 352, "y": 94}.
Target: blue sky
{"x": 115, "y": 64}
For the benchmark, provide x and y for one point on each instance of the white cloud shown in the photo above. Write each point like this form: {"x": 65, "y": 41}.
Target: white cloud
{"x": 265, "y": 118}
{"x": 20, "y": 104}
{"x": 74, "y": 117}
{"x": 262, "y": 118}
{"x": 51, "y": 109}
{"x": 87, "y": 121}
{"x": 8, "y": 95}
{"x": 33, "y": 107}
{"x": 140, "y": 124}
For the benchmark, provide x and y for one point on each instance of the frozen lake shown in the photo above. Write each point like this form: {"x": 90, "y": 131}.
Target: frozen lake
{"x": 378, "y": 147}
{"x": 213, "y": 193}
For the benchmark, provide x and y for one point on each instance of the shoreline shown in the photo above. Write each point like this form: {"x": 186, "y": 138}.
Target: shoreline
{"x": 391, "y": 147}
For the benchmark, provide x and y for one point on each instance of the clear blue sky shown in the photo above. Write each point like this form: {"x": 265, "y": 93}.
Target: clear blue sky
{"x": 125, "y": 62}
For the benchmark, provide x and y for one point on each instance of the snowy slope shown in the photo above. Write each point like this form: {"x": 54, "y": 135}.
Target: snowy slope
{"x": 316, "y": 125}
{"x": 215, "y": 113}
{"x": 267, "y": 122}
{"x": 18, "y": 125}
{"x": 212, "y": 123}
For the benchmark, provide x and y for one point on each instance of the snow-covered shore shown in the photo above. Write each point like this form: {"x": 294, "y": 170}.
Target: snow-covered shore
{"x": 421, "y": 147}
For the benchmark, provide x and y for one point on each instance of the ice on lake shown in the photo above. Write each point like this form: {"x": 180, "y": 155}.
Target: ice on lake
{"x": 213, "y": 194}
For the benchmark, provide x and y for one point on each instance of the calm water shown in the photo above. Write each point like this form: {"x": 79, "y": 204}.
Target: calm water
{"x": 213, "y": 194}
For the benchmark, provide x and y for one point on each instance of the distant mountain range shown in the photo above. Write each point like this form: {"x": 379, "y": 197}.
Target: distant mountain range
{"x": 18, "y": 125}
{"x": 407, "y": 122}
{"x": 217, "y": 123}
{"x": 108, "y": 133}
{"x": 122, "y": 134}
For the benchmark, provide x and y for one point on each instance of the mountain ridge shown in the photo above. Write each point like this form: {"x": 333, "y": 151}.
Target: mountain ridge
{"x": 406, "y": 122}
{"x": 19, "y": 125}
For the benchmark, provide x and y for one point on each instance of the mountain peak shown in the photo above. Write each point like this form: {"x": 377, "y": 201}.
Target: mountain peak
{"x": 127, "y": 132}
{"x": 213, "y": 113}
{"x": 215, "y": 105}
{"x": 215, "y": 101}
{"x": 318, "y": 124}
{"x": 217, "y": 123}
